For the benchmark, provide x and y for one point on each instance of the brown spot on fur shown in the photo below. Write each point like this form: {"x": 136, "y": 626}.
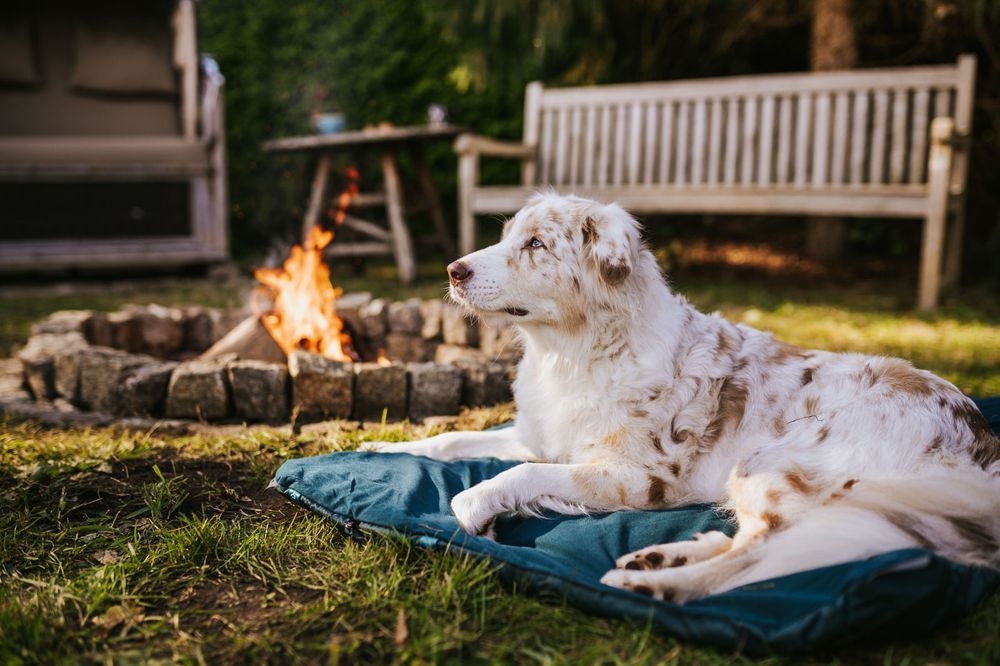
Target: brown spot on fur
{"x": 798, "y": 481}
{"x": 807, "y": 376}
{"x": 633, "y": 565}
{"x": 935, "y": 444}
{"x": 779, "y": 424}
{"x": 900, "y": 377}
{"x": 656, "y": 494}
{"x": 785, "y": 352}
{"x": 614, "y": 273}
{"x": 642, "y": 589}
{"x": 724, "y": 344}
{"x": 678, "y": 561}
{"x": 640, "y": 413}
{"x": 657, "y": 442}
{"x": 985, "y": 447}
{"x": 576, "y": 283}
{"x": 849, "y": 484}
{"x": 811, "y": 405}
{"x": 622, "y": 495}
{"x": 824, "y": 432}
{"x": 729, "y": 413}
{"x": 975, "y": 534}
{"x": 773, "y": 496}
{"x": 910, "y": 528}
{"x": 511, "y": 263}
{"x": 675, "y": 468}
{"x": 655, "y": 559}
{"x": 773, "y": 520}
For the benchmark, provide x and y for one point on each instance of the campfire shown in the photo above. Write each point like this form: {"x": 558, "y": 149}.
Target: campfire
{"x": 302, "y": 312}
{"x": 301, "y": 300}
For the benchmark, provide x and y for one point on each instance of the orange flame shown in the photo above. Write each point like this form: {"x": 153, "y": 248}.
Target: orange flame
{"x": 303, "y": 311}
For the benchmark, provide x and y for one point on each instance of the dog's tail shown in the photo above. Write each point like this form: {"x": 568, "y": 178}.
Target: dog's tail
{"x": 955, "y": 514}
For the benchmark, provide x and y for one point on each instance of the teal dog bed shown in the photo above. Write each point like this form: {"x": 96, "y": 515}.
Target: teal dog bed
{"x": 901, "y": 594}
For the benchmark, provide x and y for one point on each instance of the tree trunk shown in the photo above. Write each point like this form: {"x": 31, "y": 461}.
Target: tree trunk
{"x": 834, "y": 46}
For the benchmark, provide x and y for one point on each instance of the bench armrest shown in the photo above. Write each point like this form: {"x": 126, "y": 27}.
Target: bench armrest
{"x": 475, "y": 144}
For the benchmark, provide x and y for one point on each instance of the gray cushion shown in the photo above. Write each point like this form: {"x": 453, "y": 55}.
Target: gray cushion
{"x": 123, "y": 55}
{"x": 17, "y": 61}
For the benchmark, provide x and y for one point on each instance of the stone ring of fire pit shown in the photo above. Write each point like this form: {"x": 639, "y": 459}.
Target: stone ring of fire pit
{"x": 210, "y": 365}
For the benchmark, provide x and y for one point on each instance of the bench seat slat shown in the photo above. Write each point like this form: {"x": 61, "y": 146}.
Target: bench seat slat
{"x": 903, "y": 201}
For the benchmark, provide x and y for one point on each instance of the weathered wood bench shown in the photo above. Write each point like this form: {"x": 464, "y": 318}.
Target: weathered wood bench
{"x": 885, "y": 143}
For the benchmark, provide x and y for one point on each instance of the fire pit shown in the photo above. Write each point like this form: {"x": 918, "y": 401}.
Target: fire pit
{"x": 408, "y": 359}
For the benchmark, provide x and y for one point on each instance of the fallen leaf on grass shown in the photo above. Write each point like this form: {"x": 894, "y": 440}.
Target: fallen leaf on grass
{"x": 126, "y": 615}
{"x": 106, "y": 556}
{"x": 402, "y": 631}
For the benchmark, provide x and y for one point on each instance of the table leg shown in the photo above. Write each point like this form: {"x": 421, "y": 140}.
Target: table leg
{"x": 317, "y": 197}
{"x": 434, "y": 202}
{"x": 402, "y": 244}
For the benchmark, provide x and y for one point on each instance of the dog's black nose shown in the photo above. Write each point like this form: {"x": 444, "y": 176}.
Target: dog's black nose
{"x": 458, "y": 272}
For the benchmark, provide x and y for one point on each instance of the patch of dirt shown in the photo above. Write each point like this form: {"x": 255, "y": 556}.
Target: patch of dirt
{"x": 212, "y": 486}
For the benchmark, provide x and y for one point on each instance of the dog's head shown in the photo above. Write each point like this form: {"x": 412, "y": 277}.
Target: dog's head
{"x": 557, "y": 257}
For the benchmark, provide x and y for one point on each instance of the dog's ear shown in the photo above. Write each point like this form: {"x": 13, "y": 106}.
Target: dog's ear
{"x": 611, "y": 237}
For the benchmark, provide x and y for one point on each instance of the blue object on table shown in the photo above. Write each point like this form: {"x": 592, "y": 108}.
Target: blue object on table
{"x": 902, "y": 594}
{"x": 329, "y": 123}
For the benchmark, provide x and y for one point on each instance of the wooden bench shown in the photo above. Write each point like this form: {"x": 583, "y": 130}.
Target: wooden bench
{"x": 888, "y": 143}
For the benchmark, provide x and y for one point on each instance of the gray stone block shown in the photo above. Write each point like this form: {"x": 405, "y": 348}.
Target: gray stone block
{"x": 143, "y": 390}
{"x": 378, "y": 388}
{"x": 321, "y": 387}
{"x": 260, "y": 390}
{"x": 499, "y": 342}
{"x": 409, "y": 348}
{"x": 198, "y": 390}
{"x": 431, "y": 313}
{"x": 92, "y": 325}
{"x": 102, "y": 371}
{"x": 435, "y": 389}
{"x": 38, "y": 360}
{"x": 374, "y": 319}
{"x": 200, "y": 328}
{"x": 349, "y": 307}
{"x": 405, "y": 317}
{"x": 457, "y": 328}
{"x": 455, "y": 353}
{"x": 485, "y": 384}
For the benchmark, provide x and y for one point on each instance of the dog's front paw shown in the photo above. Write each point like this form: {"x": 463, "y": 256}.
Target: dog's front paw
{"x": 475, "y": 510}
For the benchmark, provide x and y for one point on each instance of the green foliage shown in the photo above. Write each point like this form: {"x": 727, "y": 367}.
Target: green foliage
{"x": 387, "y": 60}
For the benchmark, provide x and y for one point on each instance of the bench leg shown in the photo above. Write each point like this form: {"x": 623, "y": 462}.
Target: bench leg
{"x": 938, "y": 176}
{"x": 468, "y": 175}
{"x": 953, "y": 256}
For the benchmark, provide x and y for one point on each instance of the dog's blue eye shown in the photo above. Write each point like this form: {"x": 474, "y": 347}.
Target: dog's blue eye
{"x": 535, "y": 243}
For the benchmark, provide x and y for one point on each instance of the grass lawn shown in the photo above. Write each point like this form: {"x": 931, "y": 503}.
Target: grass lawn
{"x": 118, "y": 547}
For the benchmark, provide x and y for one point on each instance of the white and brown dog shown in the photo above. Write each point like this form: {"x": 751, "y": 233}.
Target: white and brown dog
{"x": 630, "y": 398}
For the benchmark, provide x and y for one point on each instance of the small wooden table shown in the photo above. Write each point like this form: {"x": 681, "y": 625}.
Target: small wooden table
{"x": 389, "y": 141}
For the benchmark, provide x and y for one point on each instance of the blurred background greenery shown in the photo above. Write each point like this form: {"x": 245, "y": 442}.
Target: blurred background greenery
{"x": 387, "y": 60}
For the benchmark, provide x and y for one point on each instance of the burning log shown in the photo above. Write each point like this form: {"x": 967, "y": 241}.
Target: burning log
{"x": 250, "y": 341}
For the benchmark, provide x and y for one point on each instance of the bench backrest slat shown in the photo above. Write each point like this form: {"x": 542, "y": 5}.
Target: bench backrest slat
{"x": 817, "y": 130}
